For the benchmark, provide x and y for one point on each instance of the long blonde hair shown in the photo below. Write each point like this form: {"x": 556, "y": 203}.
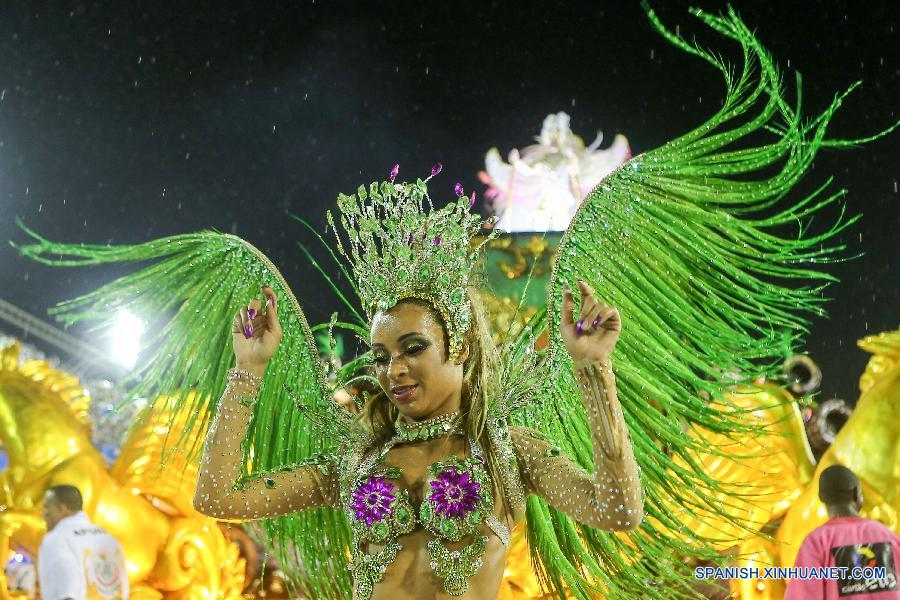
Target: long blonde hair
{"x": 481, "y": 371}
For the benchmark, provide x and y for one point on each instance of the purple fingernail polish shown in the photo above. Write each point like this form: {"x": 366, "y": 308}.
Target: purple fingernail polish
{"x": 251, "y": 312}
{"x": 248, "y": 331}
{"x": 579, "y": 326}
{"x": 596, "y": 322}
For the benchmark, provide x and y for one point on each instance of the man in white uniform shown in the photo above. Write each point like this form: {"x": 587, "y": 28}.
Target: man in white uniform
{"x": 78, "y": 560}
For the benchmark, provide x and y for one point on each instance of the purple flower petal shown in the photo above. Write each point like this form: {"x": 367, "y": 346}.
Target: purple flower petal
{"x": 436, "y": 169}
{"x": 454, "y": 494}
{"x": 372, "y": 500}
{"x": 437, "y": 241}
{"x": 458, "y": 188}
{"x": 394, "y": 171}
{"x": 472, "y": 202}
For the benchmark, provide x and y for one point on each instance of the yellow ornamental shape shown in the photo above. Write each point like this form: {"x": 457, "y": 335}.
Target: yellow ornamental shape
{"x": 170, "y": 550}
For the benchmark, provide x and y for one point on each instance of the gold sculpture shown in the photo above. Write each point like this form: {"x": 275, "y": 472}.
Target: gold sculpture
{"x": 867, "y": 444}
{"x": 171, "y": 551}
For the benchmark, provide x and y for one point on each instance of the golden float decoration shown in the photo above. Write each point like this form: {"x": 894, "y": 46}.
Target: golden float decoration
{"x": 171, "y": 551}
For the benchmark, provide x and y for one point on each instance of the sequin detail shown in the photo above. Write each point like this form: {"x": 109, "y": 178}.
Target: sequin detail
{"x": 373, "y": 500}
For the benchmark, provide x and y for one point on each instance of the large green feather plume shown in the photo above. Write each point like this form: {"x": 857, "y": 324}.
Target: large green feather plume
{"x": 189, "y": 294}
{"x": 687, "y": 241}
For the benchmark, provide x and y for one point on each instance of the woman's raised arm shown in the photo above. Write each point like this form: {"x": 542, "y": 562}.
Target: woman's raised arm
{"x": 222, "y": 491}
{"x": 611, "y": 497}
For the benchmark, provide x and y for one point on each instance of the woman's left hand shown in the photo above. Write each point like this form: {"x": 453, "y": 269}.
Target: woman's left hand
{"x": 593, "y": 335}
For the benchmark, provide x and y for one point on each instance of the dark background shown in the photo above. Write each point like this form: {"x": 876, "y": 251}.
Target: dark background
{"x": 121, "y": 124}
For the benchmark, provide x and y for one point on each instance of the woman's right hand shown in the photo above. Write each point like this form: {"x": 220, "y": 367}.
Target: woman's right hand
{"x": 256, "y": 333}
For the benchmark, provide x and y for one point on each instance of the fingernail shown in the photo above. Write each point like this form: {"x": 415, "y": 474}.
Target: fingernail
{"x": 596, "y": 322}
{"x": 248, "y": 331}
{"x": 251, "y": 312}
{"x": 579, "y": 326}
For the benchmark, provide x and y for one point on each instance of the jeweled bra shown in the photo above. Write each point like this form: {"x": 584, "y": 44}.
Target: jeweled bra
{"x": 460, "y": 500}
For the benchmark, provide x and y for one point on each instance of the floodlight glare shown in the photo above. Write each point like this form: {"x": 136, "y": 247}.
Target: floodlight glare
{"x": 126, "y": 338}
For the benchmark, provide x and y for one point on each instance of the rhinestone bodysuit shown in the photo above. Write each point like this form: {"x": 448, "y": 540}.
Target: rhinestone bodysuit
{"x": 459, "y": 494}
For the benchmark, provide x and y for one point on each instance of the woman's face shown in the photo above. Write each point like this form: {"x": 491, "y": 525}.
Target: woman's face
{"x": 409, "y": 349}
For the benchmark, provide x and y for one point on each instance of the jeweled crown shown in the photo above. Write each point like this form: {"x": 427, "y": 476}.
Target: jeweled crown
{"x": 398, "y": 249}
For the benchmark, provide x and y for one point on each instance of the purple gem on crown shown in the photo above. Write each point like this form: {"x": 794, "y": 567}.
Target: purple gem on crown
{"x": 454, "y": 494}
{"x": 372, "y": 500}
{"x": 394, "y": 170}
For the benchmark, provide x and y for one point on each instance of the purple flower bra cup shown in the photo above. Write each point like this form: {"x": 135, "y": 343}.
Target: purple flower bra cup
{"x": 453, "y": 494}
{"x": 373, "y": 500}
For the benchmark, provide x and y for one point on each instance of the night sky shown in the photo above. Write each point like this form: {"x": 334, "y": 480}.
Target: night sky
{"x": 120, "y": 124}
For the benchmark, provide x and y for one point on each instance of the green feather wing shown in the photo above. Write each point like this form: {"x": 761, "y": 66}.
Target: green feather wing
{"x": 687, "y": 241}
{"x": 188, "y": 295}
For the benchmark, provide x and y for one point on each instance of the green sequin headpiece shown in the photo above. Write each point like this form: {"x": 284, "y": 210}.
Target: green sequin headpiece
{"x": 398, "y": 249}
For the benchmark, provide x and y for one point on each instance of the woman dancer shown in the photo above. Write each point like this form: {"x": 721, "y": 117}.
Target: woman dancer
{"x": 430, "y": 511}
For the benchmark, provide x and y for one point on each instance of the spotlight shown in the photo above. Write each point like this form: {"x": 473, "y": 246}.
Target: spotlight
{"x": 126, "y": 335}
